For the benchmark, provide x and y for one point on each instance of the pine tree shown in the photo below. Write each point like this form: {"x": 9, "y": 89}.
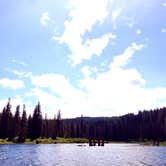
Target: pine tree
{"x": 36, "y": 122}
{"x": 29, "y": 129}
{"x": 17, "y": 120}
{"x": 23, "y": 126}
{"x": 59, "y": 126}
{"x": 6, "y": 122}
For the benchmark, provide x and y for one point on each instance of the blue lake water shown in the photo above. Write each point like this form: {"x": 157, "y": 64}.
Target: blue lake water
{"x": 74, "y": 155}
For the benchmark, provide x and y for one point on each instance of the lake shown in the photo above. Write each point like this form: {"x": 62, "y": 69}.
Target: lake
{"x": 74, "y": 155}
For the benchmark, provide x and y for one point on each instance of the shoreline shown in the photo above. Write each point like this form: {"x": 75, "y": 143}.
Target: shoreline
{"x": 59, "y": 140}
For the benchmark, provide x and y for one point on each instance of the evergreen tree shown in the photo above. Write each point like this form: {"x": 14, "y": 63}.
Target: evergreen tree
{"x": 59, "y": 125}
{"x": 23, "y": 126}
{"x": 6, "y": 122}
{"x": 45, "y": 132}
{"x": 36, "y": 122}
{"x": 17, "y": 120}
{"x": 29, "y": 129}
{"x": 55, "y": 131}
{"x": 82, "y": 126}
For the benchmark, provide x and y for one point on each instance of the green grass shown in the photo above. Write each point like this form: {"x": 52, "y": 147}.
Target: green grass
{"x": 4, "y": 141}
{"x": 29, "y": 141}
{"x": 150, "y": 143}
{"x": 146, "y": 143}
{"x": 71, "y": 140}
{"x": 56, "y": 141}
{"x": 163, "y": 143}
{"x": 45, "y": 141}
{"x": 48, "y": 141}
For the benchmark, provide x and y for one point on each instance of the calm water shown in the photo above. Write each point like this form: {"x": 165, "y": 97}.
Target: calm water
{"x": 74, "y": 155}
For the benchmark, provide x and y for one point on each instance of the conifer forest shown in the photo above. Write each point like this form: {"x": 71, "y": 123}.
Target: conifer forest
{"x": 146, "y": 125}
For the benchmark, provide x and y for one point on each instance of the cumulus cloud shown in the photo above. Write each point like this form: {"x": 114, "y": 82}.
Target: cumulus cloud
{"x": 17, "y": 100}
{"x": 19, "y": 62}
{"x": 122, "y": 91}
{"x": 44, "y": 19}
{"x": 122, "y": 60}
{"x": 89, "y": 71}
{"x": 49, "y": 102}
{"x": 86, "y": 71}
{"x": 164, "y": 4}
{"x": 63, "y": 95}
{"x": 56, "y": 82}
{"x": 138, "y": 32}
{"x": 11, "y": 83}
{"x": 90, "y": 48}
{"x": 130, "y": 21}
{"x": 19, "y": 73}
{"x": 119, "y": 91}
{"x": 114, "y": 92}
{"x": 83, "y": 16}
{"x": 115, "y": 14}
{"x": 163, "y": 30}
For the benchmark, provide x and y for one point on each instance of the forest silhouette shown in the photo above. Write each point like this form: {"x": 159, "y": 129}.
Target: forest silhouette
{"x": 146, "y": 125}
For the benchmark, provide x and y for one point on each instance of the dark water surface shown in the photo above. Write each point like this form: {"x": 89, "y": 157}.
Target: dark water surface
{"x": 74, "y": 155}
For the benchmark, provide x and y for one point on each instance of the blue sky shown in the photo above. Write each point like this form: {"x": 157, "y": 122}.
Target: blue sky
{"x": 96, "y": 58}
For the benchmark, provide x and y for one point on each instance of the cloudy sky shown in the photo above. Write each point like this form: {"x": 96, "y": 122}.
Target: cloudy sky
{"x": 90, "y": 57}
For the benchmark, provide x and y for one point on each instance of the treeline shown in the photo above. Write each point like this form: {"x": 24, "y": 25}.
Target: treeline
{"x": 146, "y": 125}
{"x": 18, "y": 127}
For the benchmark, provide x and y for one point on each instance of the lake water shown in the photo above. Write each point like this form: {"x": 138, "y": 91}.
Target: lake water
{"x": 74, "y": 155}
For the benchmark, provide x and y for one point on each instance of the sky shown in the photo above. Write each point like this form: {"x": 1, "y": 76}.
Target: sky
{"x": 84, "y": 57}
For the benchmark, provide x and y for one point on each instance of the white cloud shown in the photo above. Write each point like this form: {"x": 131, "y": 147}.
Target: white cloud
{"x": 17, "y": 100}
{"x": 83, "y": 16}
{"x": 130, "y": 21}
{"x": 119, "y": 91}
{"x": 56, "y": 82}
{"x": 138, "y": 32}
{"x": 163, "y": 30}
{"x": 14, "y": 102}
{"x": 122, "y": 91}
{"x": 63, "y": 95}
{"x": 121, "y": 60}
{"x": 95, "y": 12}
{"x": 45, "y": 19}
{"x": 49, "y": 103}
{"x": 19, "y": 62}
{"x": 115, "y": 14}
{"x": 98, "y": 96}
{"x": 19, "y": 73}
{"x": 86, "y": 71}
{"x": 12, "y": 84}
{"x": 114, "y": 92}
{"x": 146, "y": 39}
{"x": 90, "y": 48}
{"x": 164, "y": 4}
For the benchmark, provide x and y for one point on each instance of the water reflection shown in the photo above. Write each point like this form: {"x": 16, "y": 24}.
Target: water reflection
{"x": 74, "y": 155}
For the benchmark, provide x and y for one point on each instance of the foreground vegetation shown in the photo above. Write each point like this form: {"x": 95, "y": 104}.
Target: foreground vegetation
{"x": 46, "y": 141}
{"x": 60, "y": 140}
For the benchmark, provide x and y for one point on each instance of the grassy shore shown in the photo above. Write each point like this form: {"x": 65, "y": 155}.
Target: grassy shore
{"x": 74, "y": 140}
{"x": 150, "y": 143}
{"x": 4, "y": 141}
{"x": 48, "y": 141}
